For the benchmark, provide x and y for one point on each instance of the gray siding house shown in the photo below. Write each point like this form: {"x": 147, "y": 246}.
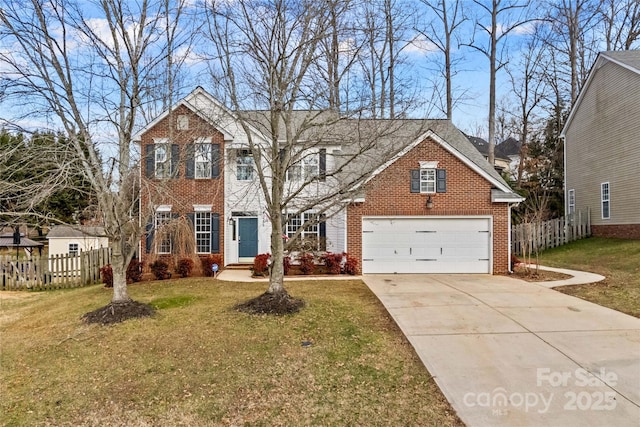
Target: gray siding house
{"x": 602, "y": 147}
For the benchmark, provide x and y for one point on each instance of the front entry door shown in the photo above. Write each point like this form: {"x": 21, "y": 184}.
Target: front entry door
{"x": 247, "y": 239}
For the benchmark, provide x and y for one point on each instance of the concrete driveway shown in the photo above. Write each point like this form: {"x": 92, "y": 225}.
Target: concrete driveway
{"x": 511, "y": 353}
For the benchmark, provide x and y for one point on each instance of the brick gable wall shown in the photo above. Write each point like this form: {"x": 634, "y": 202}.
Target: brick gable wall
{"x": 467, "y": 193}
{"x": 182, "y": 193}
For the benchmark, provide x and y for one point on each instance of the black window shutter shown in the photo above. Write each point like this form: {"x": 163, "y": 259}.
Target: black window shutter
{"x": 215, "y": 233}
{"x": 192, "y": 219}
{"x": 322, "y": 226}
{"x": 190, "y": 171}
{"x": 149, "y": 237}
{"x": 175, "y": 160}
{"x": 281, "y": 155}
{"x": 174, "y": 217}
{"x": 150, "y": 161}
{"x": 441, "y": 180}
{"x": 215, "y": 160}
{"x": 323, "y": 164}
{"x": 415, "y": 180}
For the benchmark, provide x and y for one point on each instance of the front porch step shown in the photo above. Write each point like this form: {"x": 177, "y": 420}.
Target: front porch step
{"x": 239, "y": 266}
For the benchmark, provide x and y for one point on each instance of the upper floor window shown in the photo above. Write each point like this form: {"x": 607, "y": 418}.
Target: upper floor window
{"x": 203, "y": 160}
{"x": 182, "y": 122}
{"x": 244, "y": 165}
{"x": 605, "y": 200}
{"x": 74, "y": 249}
{"x": 306, "y": 169}
{"x": 427, "y": 180}
{"x": 162, "y": 160}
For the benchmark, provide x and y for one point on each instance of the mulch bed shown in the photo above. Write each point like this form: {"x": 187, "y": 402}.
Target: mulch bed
{"x": 118, "y": 312}
{"x": 531, "y": 275}
{"x": 278, "y": 304}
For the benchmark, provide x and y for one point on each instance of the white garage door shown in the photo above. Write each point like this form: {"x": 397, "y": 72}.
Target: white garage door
{"x": 426, "y": 245}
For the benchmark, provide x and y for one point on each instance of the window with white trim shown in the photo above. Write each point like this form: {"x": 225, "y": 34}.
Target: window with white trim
{"x": 309, "y": 238}
{"x": 244, "y": 165}
{"x": 306, "y": 169}
{"x": 203, "y": 160}
{"x": 203, "y": 232}
{"x": 162, "y": 152}
{"x": 74, "y": 249}
{"x": 605, "y": 200}
{"x": 571, "y": 203}
{"x": 162, "y": 233}
{"x": 427, "y": 180}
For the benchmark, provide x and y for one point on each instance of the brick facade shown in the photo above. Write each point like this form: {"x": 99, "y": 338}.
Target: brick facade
{"x": 467, "y": 193}
{"x": 179, "y": 192}
{"x": 619, "y": 231}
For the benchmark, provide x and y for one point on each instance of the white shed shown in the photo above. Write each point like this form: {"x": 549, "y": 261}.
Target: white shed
{"x": 71, "y": 240}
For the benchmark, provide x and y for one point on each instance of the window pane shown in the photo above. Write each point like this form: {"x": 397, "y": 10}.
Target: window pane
{"x": 203, "y": 232}
{"x": 162, "y": 235}
{"x": 203, "y": 160}
{"x": 427, "y": 180}
{"x": 244, "y": 168}
{"x": 163, "y": 166}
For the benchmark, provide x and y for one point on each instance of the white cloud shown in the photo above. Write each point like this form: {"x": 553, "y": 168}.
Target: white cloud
{"x": 420, "y": 45}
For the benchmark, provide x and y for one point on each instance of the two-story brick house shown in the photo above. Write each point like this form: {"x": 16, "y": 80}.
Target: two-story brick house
{"x": 432, "y": 204}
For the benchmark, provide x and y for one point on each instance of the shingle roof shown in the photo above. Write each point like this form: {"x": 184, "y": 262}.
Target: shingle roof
{"x": 75, "y": 231}
{"x": 631, "y": 58}
{"x": 6, "y": 241}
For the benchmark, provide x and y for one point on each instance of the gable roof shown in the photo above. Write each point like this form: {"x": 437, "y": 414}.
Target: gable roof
{"x": 188, "y": 102}
{"x": 508, "y": 147}
{"x": 629, "y": 59}
{"x": 66, "y": 231}
{"x": 444, "y": 133}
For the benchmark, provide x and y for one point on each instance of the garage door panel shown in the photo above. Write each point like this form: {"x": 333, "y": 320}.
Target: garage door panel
{"x": 426, "y": 245}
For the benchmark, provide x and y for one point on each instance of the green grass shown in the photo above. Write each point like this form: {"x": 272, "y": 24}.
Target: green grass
{"x": 200, "y": 363}
{"x": 616, "y": 259}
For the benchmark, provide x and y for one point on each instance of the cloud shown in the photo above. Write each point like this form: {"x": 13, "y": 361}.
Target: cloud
{"x": 420, "y": 45}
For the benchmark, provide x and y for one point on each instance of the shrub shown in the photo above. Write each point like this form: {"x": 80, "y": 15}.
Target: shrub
{"x": 160, "y": 269}
{"x": 134, "y": 271}
{"x": 185, "y": 266}
{"x": 207, "y": 262}
{"x": 333, "y": 262}
{"x": 306, "y": 263}
{"x": 261, "y": 265}
{"x": 286, "y": 264}
{"x": 514, "y": 261}
{"x": 350, "y": 265}
{"x": 106, "y": 273}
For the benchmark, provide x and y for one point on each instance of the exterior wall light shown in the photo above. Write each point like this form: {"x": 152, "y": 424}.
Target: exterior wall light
{"x": 429, "y": 202}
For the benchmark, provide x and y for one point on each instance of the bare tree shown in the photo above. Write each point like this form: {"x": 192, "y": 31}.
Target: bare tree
{"x": 84, "y": 69}
{"x": 528, "y": 79}
{"x": 442, "y": 31}
{"x": 268, "y": 63}
{"x": 496, "y": 32}
{"x": 573, "y": 23}
{"x": 621, "y": 22}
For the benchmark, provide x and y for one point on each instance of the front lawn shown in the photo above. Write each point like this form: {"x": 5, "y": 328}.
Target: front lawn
{"x": 197, "y": 362}
{"x": 616, "y": 259}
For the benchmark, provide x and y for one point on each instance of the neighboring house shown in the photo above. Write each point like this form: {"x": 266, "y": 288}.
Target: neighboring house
{"x": 71, "y": 240}
{"x": 500, "y": 160}
{"x": 601, "y": 148}
{"x": 436, "y": 206}
{"x": 510, "y": 149}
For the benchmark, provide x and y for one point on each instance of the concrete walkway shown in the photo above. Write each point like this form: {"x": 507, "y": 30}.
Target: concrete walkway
{"x": 579, "y": 277}
{"x": 511, "y": 353}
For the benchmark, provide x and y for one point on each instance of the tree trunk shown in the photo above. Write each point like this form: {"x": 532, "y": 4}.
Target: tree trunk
{"x": 276, "y": 274}
{"x": 119, "y": 269}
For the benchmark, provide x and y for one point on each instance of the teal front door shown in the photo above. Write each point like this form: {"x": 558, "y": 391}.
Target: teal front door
{"x": 247, "y": 237}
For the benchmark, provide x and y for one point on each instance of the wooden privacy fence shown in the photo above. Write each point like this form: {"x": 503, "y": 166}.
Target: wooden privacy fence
{"x": 529, "y": 237}
{"x": 55, "y": 272}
